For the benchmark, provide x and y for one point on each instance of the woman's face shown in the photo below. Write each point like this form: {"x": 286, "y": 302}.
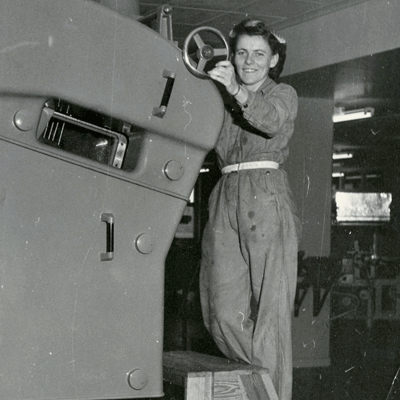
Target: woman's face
{"x": 253, "y": 59}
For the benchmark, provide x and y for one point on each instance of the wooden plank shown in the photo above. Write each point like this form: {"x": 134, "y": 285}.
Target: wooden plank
{"x": 227, "y": 387}
{"x": 269, "y": 386}
{"x": 208, "y": 377}
{"x": 199, "y": 388}
{"x": 191, "y": 361}
{"x": 254, "y": 388}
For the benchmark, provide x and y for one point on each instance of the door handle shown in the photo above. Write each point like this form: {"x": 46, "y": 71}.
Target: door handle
{"x": 109, "y": 220}
{"x": 170, "y": 77}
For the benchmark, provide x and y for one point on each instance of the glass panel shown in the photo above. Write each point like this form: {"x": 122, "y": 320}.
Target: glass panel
{"x": 79, "y": 140}
{"x": 362, "y": 207}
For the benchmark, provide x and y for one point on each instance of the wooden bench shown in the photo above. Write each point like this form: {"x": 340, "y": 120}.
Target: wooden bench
{"x": 206, "y": 377}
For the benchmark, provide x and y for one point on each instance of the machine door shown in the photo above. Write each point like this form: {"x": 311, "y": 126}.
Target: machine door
{"x": 103, "y": 133}
{"x": 81, "y": 278}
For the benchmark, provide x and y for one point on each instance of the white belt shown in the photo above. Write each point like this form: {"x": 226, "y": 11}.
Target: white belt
{"x": 250, "y": 165}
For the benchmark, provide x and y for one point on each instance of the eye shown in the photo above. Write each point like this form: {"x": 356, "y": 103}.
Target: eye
{"x": 240, "y": 53}
{"x": 258, "y": 54}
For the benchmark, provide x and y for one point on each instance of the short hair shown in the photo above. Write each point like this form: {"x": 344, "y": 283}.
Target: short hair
{"x": 256, "y": 27}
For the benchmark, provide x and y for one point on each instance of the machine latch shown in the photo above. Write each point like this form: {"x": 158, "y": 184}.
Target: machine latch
{"x": 160, "y": 111}
{"x": 109, "y": 220}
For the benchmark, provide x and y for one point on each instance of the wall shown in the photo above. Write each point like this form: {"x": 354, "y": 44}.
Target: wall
{"x": 367, "y": 28}
{"x": 356, "y": 31}
{"x": 309, "y": 172}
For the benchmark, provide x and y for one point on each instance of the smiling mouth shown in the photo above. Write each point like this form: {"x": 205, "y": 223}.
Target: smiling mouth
{"x": 249, "y": 70}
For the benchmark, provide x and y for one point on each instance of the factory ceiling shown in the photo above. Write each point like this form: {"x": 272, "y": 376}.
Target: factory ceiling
{"x": 224, "y": 14}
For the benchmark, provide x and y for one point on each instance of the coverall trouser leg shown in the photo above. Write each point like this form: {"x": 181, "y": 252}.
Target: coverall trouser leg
{"x": 249, "y": 256}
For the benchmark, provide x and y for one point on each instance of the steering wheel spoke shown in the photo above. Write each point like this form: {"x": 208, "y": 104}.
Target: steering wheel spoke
{"x": 199, "y": 41}
{"x": 220, "y": 52}
{"x": 205, "y": 52}
{"x": 201, "y": 65}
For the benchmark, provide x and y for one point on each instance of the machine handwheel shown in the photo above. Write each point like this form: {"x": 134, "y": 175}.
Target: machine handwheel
{"x": 205, "y": 52}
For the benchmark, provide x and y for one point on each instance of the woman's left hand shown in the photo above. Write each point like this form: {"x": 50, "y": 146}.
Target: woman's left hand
{"x": 224, "y": 72}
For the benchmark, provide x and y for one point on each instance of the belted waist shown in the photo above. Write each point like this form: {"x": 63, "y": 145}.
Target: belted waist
{"x": 250, "y": 165}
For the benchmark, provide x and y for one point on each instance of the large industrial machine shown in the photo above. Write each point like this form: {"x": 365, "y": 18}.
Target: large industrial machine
{"x": 103, "y": 133}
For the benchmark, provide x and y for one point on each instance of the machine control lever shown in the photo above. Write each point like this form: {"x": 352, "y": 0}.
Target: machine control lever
{"x": 109, "y": 220}
{"x": 160, "y": 111}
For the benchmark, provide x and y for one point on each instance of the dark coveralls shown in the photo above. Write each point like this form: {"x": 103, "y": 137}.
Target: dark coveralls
{"x": 249, "y": 249}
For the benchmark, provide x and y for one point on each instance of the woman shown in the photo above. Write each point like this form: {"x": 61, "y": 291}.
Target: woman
{"x": 249, "y": 250}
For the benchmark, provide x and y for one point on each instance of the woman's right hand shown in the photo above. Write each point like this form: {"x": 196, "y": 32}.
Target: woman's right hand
{"x": 224, "y": 72}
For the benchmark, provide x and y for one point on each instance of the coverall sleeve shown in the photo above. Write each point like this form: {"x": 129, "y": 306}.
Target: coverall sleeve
{"x": 268, "y": 113}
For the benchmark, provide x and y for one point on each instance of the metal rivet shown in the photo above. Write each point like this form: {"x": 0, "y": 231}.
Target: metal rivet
{"x": 24, "y": 120}
{"x": 145, "y": 243}
{"x": 174, "y": 170}
{"x": 138, "y": 379}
